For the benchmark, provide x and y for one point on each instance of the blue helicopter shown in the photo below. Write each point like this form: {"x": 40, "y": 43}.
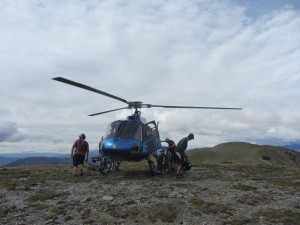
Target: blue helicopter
{"x": 130, "y": 139}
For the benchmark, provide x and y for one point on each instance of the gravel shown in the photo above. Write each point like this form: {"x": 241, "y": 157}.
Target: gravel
{"x": 208, "y": 194}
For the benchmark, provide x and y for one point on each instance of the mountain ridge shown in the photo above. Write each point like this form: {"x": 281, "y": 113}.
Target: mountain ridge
{"x": 39, "y": 160}
{"x": 246, "y": 153}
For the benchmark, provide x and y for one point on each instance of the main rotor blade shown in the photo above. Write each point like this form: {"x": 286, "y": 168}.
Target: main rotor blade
{"x": 189, "y": 107}
{"x": 95, "y": 114}
{"x": 64, "y": 80}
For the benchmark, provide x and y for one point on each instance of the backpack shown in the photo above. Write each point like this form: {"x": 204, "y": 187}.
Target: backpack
{"x": 187, "y": 165}
{"x": 82, "y": 145}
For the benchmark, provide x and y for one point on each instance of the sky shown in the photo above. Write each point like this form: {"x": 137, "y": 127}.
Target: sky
{"x": 211, "y": 53}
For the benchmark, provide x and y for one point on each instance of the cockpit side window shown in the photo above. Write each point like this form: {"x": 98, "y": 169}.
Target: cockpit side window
{"x": 131, "y": 130}
{"x": 150, "y": 130}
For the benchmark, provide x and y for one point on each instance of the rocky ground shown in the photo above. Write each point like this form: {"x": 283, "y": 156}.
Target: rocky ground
{"x": 208, "y": 194}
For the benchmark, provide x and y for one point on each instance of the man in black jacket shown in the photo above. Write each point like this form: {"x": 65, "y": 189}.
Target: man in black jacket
{"x": 181, "y": 148}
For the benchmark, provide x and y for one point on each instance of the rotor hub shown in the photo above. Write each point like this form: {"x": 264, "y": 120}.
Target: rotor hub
{"x": 136, "y": 105}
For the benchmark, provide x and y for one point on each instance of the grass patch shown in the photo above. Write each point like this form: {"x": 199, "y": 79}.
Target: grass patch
{"x": 8, "y": 185}
{"x": 50, "y": 217}
{"x": 200, "y": 157}
{"x": 239, "y": 221}
{"x": 243, "y": 187}
{"x": 4, "y": 211}
{"x": 162, "y": 211}
{"x": 284, "y": 182}
{"x": 38, "y": 206}
{"x": 283, "y": 216}
{"x": 111, "y": 210}
{"x": 210, "y": 208}
{"x": 42, "y": 196}
{"x": 253, "y": 199}
{"x": 85, "y": 214}
{"x": 59, "y": 210}
{"x": 132, "y": 212}
{"x": 297, "y": 206}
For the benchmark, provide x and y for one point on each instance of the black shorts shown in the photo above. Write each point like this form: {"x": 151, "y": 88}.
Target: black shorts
{"x": 176, "y": 157}
{"x": 78, "y": 159}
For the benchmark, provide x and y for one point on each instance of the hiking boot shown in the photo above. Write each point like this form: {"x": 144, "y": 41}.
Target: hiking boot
{"x": 179, "y": 175}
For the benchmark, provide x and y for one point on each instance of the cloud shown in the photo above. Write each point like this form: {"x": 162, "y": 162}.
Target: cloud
{"x": 9, "y": 132}
{"x": 201, "y": 53}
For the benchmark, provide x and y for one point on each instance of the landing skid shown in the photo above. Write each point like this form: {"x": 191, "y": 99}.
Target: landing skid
{"x": 152, "y": 169}
{"x": 104, "y": 164}
{"x": 107, "y": 164}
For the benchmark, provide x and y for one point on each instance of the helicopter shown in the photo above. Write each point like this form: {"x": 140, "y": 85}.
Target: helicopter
{"x": 131, "y": 139}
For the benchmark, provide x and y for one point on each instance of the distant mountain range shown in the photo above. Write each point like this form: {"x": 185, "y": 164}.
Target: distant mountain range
{"x": 32, "y": 154}
{"x": 19, "y": 158}
{"x": 7, "y": 160}
{"x": 294, "y": 146}
{"x": 30, "y": 161}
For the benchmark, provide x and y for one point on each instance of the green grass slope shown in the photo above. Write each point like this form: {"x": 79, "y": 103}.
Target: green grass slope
{"x": 246, "y": 154}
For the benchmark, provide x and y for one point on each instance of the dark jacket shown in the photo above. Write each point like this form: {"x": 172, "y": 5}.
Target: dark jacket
{"x": 171, "y": 144}
{"x": 182, "y": 145}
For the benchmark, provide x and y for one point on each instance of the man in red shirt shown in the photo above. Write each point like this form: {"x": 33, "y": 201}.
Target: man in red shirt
{"x": 79, "y": 153}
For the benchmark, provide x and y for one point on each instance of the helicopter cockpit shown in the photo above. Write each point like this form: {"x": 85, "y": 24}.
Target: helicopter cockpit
{"x": 125, "y": 129}
{"x": 130, "y": 139}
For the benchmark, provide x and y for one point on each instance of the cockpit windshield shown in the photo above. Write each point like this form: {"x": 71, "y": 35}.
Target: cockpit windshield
{"x": 125, "y": 129}
{"x": 112, "y": 129}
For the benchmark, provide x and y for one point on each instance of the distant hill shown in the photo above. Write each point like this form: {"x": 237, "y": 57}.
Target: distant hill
{"x": 27, "y": 159}
{"x": 39, "y": 161}
{"x": 294, "y": 146}
{"x": 6, "y": 160}
{"x": 245, "y": 153}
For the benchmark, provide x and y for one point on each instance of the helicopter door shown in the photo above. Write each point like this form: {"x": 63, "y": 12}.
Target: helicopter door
{"x": 151, "y": 137}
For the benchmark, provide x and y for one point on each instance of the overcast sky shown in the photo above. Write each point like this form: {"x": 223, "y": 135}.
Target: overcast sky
{"x": 215, "y": 53}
